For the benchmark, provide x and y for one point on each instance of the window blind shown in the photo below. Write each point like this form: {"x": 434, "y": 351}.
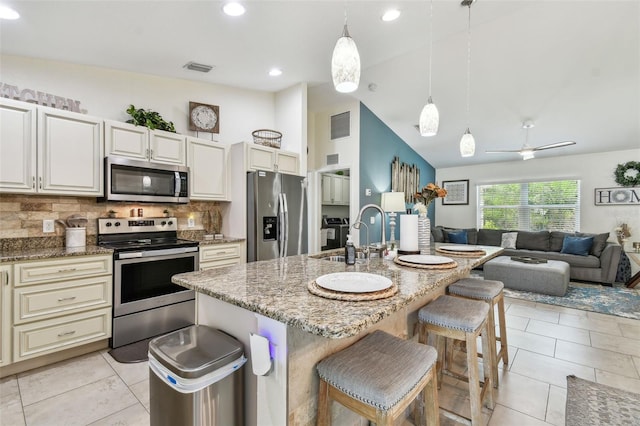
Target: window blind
{"x": 530, "y": 206}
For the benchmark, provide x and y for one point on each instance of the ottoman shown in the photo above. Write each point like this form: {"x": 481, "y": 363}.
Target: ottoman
{"x": 547, "y": 278}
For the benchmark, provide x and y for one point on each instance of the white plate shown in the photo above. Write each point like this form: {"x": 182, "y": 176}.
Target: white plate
{"x": 425, "y": 259}
{"x": 354, "y": 282}
{"x": 459, "y": 248}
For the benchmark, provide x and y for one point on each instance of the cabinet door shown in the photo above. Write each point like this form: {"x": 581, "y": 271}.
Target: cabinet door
{"x": 260, "y": 158}
{"x": 17, "y": 146}
{"x": 336, "y": 186}
{"x": 5, "y": 315}
{"x": 70, "y": 153}
{"x": 346, "y": 189}
{"x": 327, "y": 189}
{"x": 126, "y": 140}
{"x": 288, "y": 162}
{"x": 207, "y": 163}
{"x": 219, "y": 255}
{"x": 167, "y": 147}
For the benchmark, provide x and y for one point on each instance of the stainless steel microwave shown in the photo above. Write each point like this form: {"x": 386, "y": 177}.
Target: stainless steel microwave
{"x": 143, "y": 181}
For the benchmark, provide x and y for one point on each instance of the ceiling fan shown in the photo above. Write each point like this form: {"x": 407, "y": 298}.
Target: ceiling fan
{"x": 527, "y": 151}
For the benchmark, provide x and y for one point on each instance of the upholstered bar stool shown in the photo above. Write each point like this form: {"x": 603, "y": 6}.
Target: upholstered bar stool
{"x": 465, "y": 320}
{"x": 488, "y": 291}
{"x": 378, "y": 377}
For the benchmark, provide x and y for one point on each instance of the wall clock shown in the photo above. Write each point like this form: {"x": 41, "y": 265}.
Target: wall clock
{"x": 204, "y": 117}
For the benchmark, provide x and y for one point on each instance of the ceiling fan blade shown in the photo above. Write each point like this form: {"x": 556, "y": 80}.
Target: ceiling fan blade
{"x": 502, "y": 151}
{"x": 554, "y": 145}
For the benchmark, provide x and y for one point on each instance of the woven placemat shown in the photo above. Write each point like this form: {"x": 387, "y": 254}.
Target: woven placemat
{"x": 449, "y": 265}
{"x": 475, "y": 253}
{"x": 351, "y": 297}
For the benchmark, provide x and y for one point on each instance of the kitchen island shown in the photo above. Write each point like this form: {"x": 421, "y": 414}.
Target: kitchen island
{"x": 271, "y": 298}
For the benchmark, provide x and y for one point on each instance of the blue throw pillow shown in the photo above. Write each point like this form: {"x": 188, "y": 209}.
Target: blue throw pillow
{"x": 457, "y": 237}
{"x": 577, "y": 245}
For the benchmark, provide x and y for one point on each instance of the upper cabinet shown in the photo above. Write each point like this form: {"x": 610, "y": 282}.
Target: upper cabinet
{"x": 49, "y": 151}
{"x": 335, "y": 189}
{"x": 260, "y": 157}
{"x": 207, "y": 163}
{"x": 140, "y": 143}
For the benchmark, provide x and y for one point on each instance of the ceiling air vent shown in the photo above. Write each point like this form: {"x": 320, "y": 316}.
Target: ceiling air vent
{"x": 194, "y": 66}
{"x": 332, "y": 159}
{"x": 340, "y": 125}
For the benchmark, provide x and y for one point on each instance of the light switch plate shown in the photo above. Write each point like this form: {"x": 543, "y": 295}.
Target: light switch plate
{"x": 367, "y": 192}
{"x": 48, "y": 226}
{"x": 372, "y": 220}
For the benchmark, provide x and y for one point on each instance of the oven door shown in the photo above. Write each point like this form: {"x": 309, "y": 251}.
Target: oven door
{"x": 142, "y": 283}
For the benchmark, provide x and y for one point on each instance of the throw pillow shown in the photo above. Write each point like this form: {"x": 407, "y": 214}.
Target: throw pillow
{"x": 577, "y": 245}
{"x": 457, "y": 237}
{"x": 509, "y": 240}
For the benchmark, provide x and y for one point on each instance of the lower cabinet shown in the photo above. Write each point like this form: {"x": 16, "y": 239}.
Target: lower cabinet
{"x": 219, "y": 255}
{"x": 5, "y": 314}
{"x": 55, "y": 304}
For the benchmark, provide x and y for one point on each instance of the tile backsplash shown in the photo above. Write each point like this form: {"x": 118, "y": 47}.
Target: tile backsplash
{"x": 21, "y": 216}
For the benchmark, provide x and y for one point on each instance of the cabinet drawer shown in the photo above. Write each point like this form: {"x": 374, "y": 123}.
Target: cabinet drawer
{"x": 42, "y": 337}
{"x": 60, "y": 269}
{"x": 55, "y": 299}
{"x": 219, "y": 263}
{"x": 226, "y": 251}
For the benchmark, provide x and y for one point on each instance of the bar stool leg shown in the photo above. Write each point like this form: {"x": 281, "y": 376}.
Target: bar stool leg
{"x": 474, "y": 379}
{"x": 491, "y": 356}
{"x": 504, "y": 350}
{"x": 324, "y": 413}
{"x": 488, "y": 366}
{"x": 430, "y": 394}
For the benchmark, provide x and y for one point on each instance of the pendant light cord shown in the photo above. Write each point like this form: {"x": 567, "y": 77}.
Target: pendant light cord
{"x": 430, "y": 43}
{"x": 469, "y": 65}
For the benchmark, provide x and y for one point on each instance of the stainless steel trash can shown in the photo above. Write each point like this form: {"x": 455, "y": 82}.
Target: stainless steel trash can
{"x": 196, "y": 378}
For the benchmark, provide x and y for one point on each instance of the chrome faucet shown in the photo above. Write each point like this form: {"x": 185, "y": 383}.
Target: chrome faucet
{"x": 364, "y": 249}
{"x": 358, "y": 220}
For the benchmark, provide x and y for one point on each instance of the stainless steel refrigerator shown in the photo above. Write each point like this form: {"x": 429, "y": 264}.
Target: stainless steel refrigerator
{"x": 276, "y": 215}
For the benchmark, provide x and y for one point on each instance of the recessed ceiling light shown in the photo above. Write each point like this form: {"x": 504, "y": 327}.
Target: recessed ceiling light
{"x": 233, "y": 9}
{"x": 274, "y": 72}
{"x": 391, "y": 15}
{"x": 8, "y": 13}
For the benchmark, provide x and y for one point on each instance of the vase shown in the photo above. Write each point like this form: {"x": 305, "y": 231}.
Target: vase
{"x": 424, "y": 234}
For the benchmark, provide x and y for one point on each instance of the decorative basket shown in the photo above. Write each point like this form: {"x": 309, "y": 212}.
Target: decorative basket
{"x": 267, "y": 137}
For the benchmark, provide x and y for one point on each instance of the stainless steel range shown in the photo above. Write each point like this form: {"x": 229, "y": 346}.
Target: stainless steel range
{"x": 147, "y": 253}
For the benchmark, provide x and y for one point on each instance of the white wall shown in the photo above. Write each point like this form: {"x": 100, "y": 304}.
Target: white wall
{"x": 593, "y": 170}
{"x": 107, "y": 93}
{"x": 291, "y": 121}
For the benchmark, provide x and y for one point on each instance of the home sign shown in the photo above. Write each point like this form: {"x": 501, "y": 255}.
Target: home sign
{"x": 37, "y": 97}
{"x": 617, "y": 196}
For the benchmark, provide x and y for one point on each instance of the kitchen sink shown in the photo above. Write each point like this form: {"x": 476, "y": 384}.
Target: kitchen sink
{"x": 360, "y": 258}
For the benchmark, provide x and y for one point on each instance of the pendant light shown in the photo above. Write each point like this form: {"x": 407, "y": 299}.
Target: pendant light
{"x": 468, "y": 143}
{"x": 345, "y": 62}
{"x": 429, "y": 117}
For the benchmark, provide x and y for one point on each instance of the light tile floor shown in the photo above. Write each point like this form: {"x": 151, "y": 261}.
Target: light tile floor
{"x": 546, "y": 343}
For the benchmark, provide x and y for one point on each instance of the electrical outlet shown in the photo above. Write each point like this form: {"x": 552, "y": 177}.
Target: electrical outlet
{"x": 367, "y": 192}
{"x": 191, "y": 222}
{"x": 372, "y": 220}
{"x": 48, "y": 226}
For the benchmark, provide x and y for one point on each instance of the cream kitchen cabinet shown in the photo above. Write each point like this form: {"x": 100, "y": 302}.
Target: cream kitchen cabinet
{"x": 140, "y": 143}
{"x": 209, "y": 175}
{"x": 5, "y": 315}
{"x": 49, "y": 151}
{"x": 60, "y": 303}
{"x": 258, "y": 157}
{"x": 335, "y": 189}
{"x": 219, "y": 255}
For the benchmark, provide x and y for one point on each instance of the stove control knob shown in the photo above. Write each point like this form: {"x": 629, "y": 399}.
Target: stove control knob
{"x": 163, "y": 223}
{"x": 108, "y": 224}
{"x": 170, "y": 222}
{"x": 117, "y": 224}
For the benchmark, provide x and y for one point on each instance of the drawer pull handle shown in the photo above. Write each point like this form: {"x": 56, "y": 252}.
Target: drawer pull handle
{"x": 67, "y": 333}
{"x": 64, "y": 299}
{"x": 66, "y": 270}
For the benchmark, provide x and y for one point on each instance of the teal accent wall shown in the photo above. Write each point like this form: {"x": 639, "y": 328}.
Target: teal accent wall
{"x": 378, "y": 147}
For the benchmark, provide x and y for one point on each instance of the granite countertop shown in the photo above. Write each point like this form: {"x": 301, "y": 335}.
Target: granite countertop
{"x": 19, "y": 255}
{"x": 225, "y": 240}
{"x": 278, "y": 289}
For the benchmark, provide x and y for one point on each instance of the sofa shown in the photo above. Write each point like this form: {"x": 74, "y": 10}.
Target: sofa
{"x": 590, "y": 257}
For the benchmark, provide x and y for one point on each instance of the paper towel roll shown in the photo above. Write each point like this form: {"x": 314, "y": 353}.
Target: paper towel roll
{"x": 409, "y": 232}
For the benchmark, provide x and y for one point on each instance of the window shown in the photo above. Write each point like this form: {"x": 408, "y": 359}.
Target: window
{"x": 530, "y": 206}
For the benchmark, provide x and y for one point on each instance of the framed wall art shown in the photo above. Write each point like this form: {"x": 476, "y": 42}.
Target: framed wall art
{"x": 457, "y": 192}
{"x": 204, "y": 117}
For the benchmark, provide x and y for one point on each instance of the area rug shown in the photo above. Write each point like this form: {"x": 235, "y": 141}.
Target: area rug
{"x": 593, "y": 404}
{"x": 620, "y": 301}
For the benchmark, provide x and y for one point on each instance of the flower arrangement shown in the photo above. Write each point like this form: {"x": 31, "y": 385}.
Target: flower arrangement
{"x": 429, "y": 193}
